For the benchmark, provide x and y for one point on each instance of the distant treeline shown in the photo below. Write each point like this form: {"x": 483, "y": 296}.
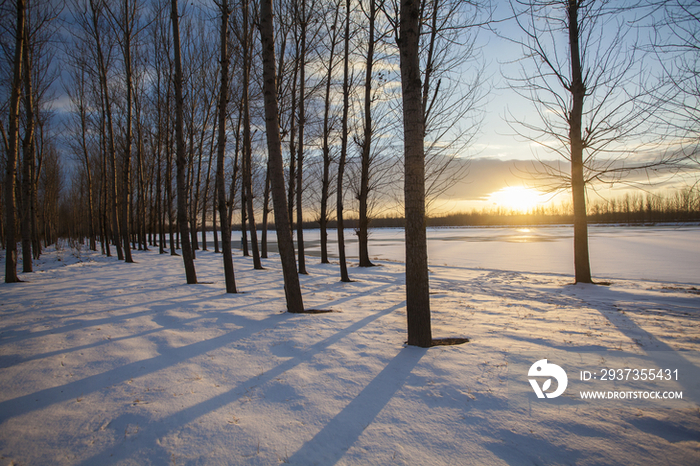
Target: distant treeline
{"x": 679, "y": 206}
{"x": 632, "y": 209}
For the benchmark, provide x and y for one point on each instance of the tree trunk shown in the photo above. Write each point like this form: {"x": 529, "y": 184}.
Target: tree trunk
{"x": 417, "y": 281}
{"x": 265, "y": 213}
{"x": 247, "y": 145}
{"x": 582, "y": 266}
{"x": 126, "y": 170}
{"x": 292, "y": 139}
{"x": 206, "y": 189}
{"x": 221, "y": 154}
{"x": 11, "y": 162}
{"x": 214, "y": 223}
{"x": 86, "y": 158}
{"x": 28, "y": 162}
{"x": 292, "y": 287}
{"x": 105, "y": 183}
{"x": 344, "y": 277}
{"x": 187, "y": 253}
{"x": 107, "y": 109}
{"x": 300, "y": 157}
{"x": 363, "y": 233}
{"x": 325, "y": 181}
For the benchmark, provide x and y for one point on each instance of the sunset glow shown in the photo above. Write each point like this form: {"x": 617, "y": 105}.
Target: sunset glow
{"x": 518, "y": 198}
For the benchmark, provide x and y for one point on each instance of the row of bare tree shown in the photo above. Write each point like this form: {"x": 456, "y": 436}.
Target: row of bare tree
{"x": 173, "y": 118}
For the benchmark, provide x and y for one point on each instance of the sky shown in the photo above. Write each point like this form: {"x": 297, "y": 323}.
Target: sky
{"x": 499, "y": 161}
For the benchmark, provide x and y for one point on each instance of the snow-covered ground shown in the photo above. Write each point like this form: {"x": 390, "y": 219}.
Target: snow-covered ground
{"x": 103, "y": 362}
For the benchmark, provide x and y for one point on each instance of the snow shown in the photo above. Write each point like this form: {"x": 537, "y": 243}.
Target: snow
{"x": 103, "y": 362}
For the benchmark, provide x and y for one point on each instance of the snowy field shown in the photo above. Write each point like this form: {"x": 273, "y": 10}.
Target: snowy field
{"x": 103, "y": 362}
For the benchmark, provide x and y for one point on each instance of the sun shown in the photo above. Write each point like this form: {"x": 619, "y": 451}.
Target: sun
{"x": 517, "y": 198}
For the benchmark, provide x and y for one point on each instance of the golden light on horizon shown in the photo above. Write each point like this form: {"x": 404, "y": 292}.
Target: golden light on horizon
{"x": 518, "y": 198}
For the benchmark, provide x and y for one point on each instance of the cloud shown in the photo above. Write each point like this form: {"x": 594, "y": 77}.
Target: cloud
{"x": 487, "y": 175}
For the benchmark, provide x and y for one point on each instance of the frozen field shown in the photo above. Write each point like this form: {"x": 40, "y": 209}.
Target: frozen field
{"x": 663, "y": 253}
{"x": 103, "y": 362}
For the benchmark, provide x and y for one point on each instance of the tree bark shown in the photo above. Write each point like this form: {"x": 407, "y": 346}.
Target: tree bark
{"x": 265, "y": 213}
{"x": 300, "y": 149}
{"x": 28, "y": 151}
{"x": 292, "y": 287}
{"x": 187, "y": 253}
{"x": 582, "y": 268}
{"x": 11, "y": 162}
{"x": 126, "y": 169}
{"x": 325, "y": 181}
{"x": 417, "y": 281}
{"x": 107, "y": 109}
{"x": 363, "y": 233}
{"x": 344, "y": 277}
{"x": 229, "y": 275}
{"x": 247, "y": 144}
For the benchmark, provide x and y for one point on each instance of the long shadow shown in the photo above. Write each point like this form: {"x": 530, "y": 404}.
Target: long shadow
{"x": 372, "y": 291}
{"x": 329, "y": 445}
{"x": 44, "y": 398}
{"x": 665, "y": 357}
{"x": 10, "y": 335}
{"x": 148, "y": 438}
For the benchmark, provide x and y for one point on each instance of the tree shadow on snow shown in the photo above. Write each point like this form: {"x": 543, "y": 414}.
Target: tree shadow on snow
{"x": 150, "y": 435}
{"x": 616, "y": 306}
{"x": 332, "y": 442}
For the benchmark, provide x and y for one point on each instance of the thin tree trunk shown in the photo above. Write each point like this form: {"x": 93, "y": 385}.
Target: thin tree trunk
{"x": 417, "y": 281}
{"x": 247, "y": 154}
{"x": 344, "y": 277}
{"x": 265, "y": 213}
{"x": 187, "y": 253}
{"x": 11, "y": 162}
{"x": 292, "y": 287}
{"x": 206, "y": 189}
{"x": 86, "y": 158}
{"x": 213, "y": 217}
{"x": 302, "y": 125}
{"x": 325, "y": 181}
{"x": 292, "y": 139}
{"x": 244, "y": 209}
{"x": 582, "y": 266}
{"x": 126, "y": 170}
{"x": 28, "y": 162}
{"x": 221, "y": 154}
{"x": 363, "y": 233}
{"x": 159, "y": 205}
{"x": 107, "y": 106}
{"x": 105, "y": 195}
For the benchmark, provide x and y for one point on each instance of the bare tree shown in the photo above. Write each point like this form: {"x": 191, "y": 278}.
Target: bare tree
{"x": 303, "y": 23}
{"x": 334, "y": 37}
{"x": 225, "y": 10}
{"x": 344, "y": 277}
{"x": 12, "y": 139}
{"x": 676, "y": 44}
{"x": 28, "y": 155}
{"x": 372, "y": 14}
{"x": 78, "y": 91}
{"x": 292, "y": 287}
{"x": 246, "y": 47}
{"x": 584, "y": 85}
{"x": 187, "y": 253}
{"x": 125, "y": 23}
{"x": 417, "y": 280}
